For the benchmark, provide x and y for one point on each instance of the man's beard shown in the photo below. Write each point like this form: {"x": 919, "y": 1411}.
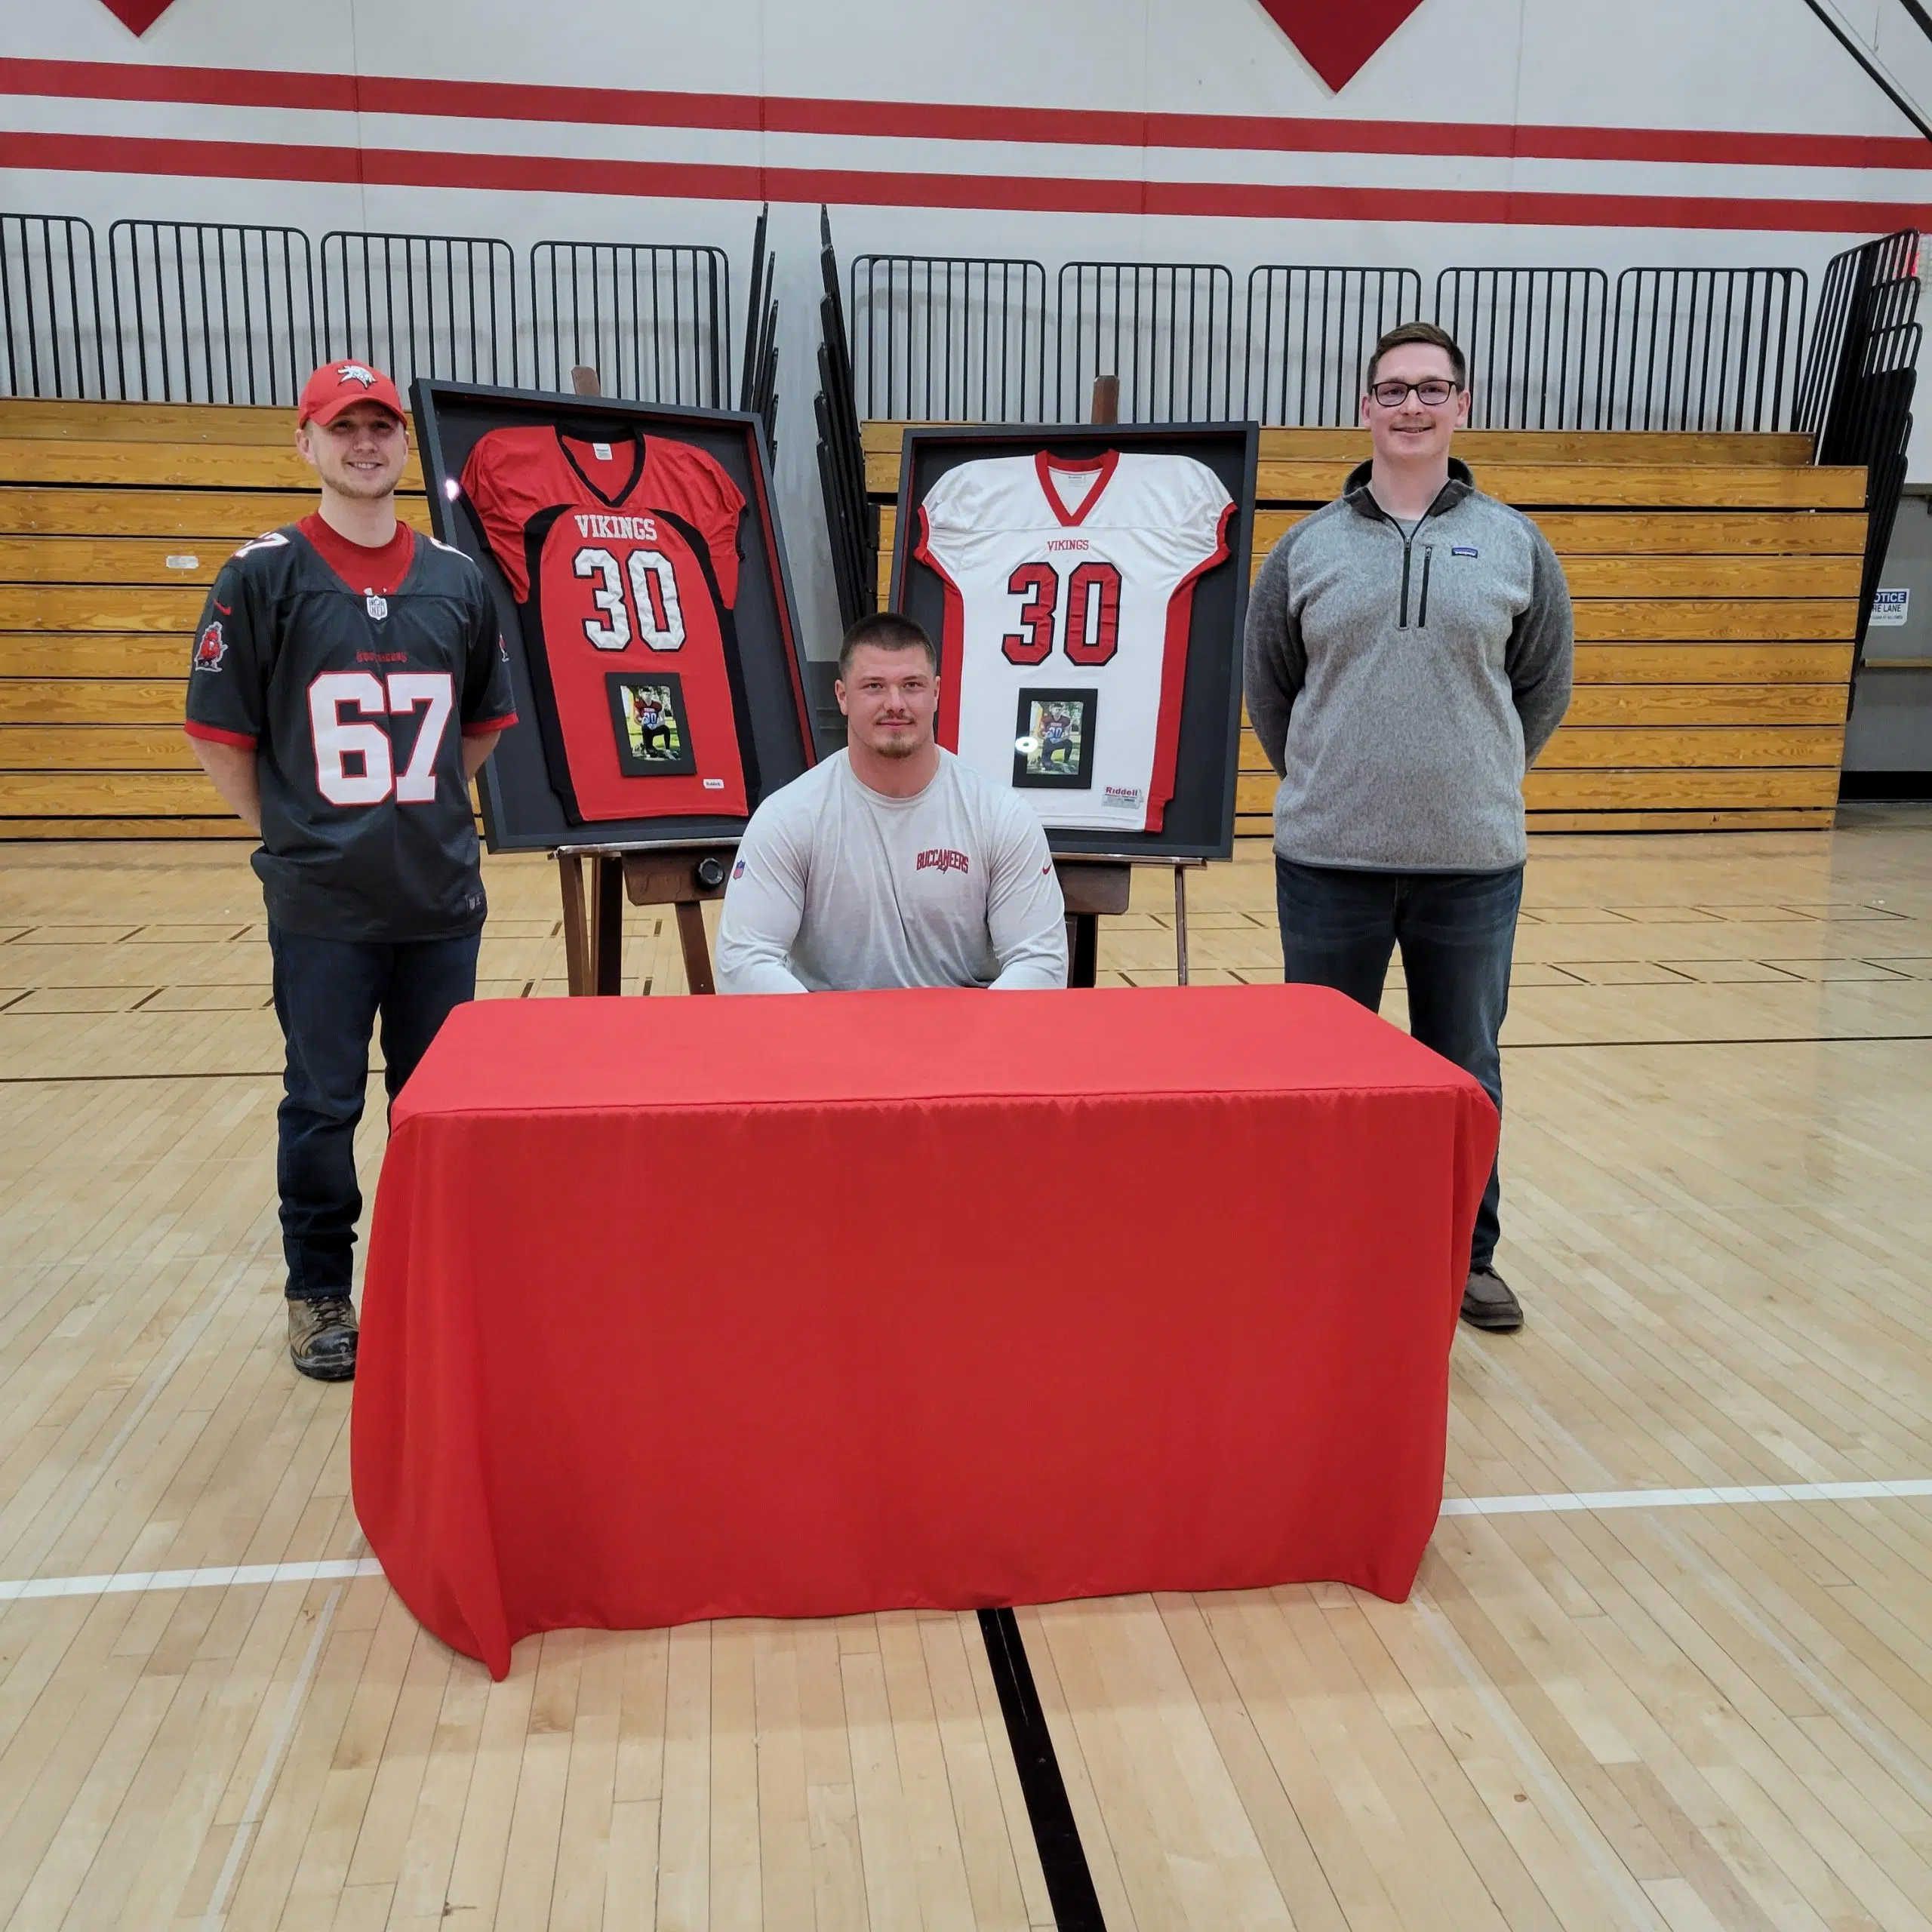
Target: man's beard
{"x": 363, "y": 488}
{"x": 898, "y": 747}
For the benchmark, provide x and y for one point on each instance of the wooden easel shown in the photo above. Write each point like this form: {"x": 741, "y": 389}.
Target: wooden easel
{"x": 1094, "y": 886}
{"x": 681, "y": 876}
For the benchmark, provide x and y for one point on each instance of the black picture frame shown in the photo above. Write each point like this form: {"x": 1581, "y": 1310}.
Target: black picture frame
{"x": 521, "y": 810}
{"x": 1199, "y": 821}
{"x": 640, "y": 752}
{"x": 1036, "y": 773}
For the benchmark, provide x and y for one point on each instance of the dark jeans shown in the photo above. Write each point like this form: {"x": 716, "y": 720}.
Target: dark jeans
{"x": 327, "y": 993}
{"x": 1457, "y": 931}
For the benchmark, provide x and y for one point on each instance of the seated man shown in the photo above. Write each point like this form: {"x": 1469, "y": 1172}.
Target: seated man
{"x": 891, "y": 864}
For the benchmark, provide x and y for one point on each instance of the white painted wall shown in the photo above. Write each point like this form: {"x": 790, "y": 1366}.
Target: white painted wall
{"x": 1653, "y": 68}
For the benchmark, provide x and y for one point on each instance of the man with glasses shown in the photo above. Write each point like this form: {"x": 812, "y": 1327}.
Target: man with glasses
{"x": 1408, "y": 655}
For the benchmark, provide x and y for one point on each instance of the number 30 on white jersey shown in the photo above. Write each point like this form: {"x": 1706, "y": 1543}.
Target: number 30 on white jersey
{"x": 1074, "y": 579}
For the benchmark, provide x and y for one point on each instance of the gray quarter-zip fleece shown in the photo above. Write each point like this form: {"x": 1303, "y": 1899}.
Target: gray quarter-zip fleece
{"x": 1403, "y": 685}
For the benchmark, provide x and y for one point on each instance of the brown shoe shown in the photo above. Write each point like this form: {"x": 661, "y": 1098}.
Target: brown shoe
{"x": 321, "y": 1337}
{"x": 1488, "y": 1303}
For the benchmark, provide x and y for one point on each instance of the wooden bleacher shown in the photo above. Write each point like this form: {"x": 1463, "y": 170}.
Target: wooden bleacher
{"x": 114, "y": 519}
{"x": 1716, "y": 581}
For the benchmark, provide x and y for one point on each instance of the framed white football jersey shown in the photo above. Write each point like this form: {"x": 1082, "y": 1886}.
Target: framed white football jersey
{"x": 1069, "y": 588}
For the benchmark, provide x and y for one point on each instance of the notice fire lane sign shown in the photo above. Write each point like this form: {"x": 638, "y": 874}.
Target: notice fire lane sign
{"x": 1891, "y": 607}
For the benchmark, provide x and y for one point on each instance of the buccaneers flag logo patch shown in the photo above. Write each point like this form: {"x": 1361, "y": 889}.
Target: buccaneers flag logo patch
{"x": 1338, "y": 42}
{"x": 210, "y": 648}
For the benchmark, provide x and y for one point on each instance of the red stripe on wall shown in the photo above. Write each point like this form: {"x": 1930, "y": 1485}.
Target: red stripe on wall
{"x": 238, "y": 161}
{"x": 912, "y": 120}
{"x": 852, "y": 187}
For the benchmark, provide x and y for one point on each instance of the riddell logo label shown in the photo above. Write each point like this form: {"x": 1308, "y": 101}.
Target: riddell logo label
{"x": 1123, "y": 798}
{"x": 939, "y": 860}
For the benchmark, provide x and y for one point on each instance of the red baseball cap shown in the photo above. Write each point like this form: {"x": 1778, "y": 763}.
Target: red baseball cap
{"x": 335, "y": 385}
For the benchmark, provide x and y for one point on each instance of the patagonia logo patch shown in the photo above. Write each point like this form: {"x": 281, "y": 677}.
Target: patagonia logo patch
{"x": 1463, "y": 550}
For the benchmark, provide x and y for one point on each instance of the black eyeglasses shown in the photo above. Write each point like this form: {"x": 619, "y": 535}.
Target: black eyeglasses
{"x": 1432, "y": 394}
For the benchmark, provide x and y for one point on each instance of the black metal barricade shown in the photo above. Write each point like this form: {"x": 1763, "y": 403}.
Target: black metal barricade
{"x": 841, "y": 456}
{"x": 653, "y": 321}
{"x": 50, "y": 307}
{"x": 1310, "y": 331}
{"x": 211, "y": 312}
{"x": 1166, "y": 329}
{"x": 944, "y": 339}
{"x": 758, "y": 390}
{"x": 1867, "y": 291}
{"x": 1705, "y": 349}
{"x": 1535, "y": 339}
{"x": 234, "y": 313}
{"x": 1856, "y": 395}
{"x": 421, "y": 305}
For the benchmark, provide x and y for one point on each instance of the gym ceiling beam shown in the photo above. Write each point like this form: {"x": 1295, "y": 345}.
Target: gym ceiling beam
{"x": 1920, "y": 16}
{"x": 1874, "y": 72}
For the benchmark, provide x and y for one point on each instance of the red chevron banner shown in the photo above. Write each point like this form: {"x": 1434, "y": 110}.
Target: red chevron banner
{"x": 1338, "y": 40}
{"x": 137, "y": 16}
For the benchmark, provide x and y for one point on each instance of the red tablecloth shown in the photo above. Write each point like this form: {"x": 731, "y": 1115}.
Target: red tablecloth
{"x": 787, "y": 1307}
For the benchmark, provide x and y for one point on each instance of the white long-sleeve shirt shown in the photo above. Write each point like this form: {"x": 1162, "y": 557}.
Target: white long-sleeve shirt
{"x": 838, "y": 887}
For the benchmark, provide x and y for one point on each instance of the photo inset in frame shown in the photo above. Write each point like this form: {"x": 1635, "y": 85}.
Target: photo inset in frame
{"x": 1054, "y": 736}
{"x": 647, "y": 715}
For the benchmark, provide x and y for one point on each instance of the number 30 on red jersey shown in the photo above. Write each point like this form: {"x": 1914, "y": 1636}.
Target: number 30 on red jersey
{"x": 654, "y": 583}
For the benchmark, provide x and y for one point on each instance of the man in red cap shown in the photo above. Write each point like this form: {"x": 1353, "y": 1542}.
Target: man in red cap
{"x": 347, "y": 682}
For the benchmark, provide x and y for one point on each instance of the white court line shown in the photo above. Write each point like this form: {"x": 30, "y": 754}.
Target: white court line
{"x": 265, "y": 1779}
{"x": 1683, "y": 1499}
{"x": 339, "y": 1569}
{"x": 1637, "y": 1907}
{"x": 218, "y": 1578}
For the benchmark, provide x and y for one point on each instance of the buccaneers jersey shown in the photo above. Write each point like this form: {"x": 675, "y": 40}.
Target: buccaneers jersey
{"x": 622, "y": 558}
{"x": 354, "y": 702}
{"x": 1068, "y": 590}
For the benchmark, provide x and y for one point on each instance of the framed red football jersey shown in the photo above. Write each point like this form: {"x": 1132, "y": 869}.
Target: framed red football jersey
{"x": 621, "y": 556}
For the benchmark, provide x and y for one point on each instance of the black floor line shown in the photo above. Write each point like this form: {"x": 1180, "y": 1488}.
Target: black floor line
{"x": 1509, "y": 1047}
{"x": 1070, "y": 1884}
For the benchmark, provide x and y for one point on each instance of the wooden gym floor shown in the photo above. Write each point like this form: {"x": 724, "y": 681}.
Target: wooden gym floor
{"x": 1625, "y": 1695}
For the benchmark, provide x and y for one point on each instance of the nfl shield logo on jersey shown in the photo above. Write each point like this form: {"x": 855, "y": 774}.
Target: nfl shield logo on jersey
{"x": 379, "y": 606}
{"x": 210, "y": 648}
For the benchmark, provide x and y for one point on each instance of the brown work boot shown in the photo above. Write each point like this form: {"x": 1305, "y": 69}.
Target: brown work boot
{"x": 321, "y": 1337}
{"x": 1488, "y": 1303}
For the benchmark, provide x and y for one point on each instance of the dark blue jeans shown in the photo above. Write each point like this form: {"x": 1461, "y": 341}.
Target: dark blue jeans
{"x": 1457, "y": 931}
{"x": 328, "y": 995}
